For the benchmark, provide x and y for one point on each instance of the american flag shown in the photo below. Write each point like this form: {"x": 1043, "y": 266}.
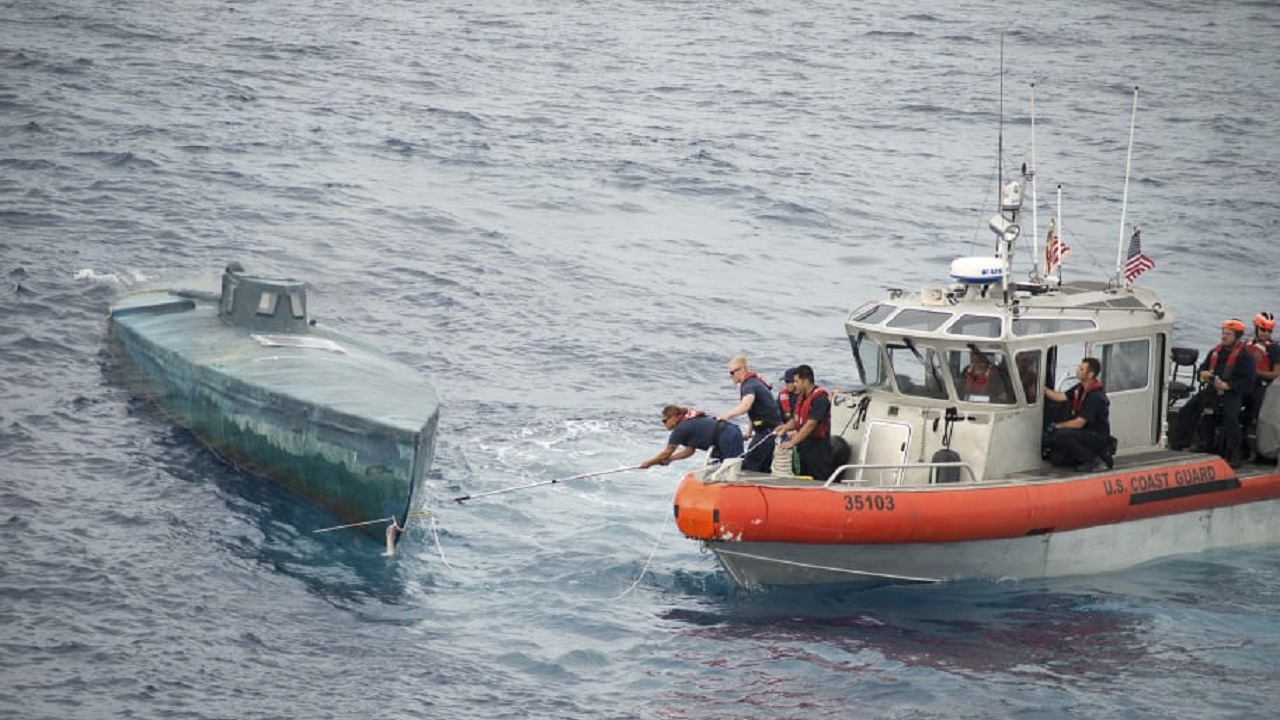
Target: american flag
{"x": 1138, "y": 261}
{"x": 1055, "y": 251}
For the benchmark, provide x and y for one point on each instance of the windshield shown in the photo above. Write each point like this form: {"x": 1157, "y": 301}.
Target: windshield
{"x": 866, "y": 353}
{"x": 917, "y": 371}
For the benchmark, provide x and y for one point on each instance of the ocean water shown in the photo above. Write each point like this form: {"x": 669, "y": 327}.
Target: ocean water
{"x": 568, "y": 214}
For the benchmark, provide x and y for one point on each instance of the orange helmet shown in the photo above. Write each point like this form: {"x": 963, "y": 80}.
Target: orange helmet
{"x": 1264, "y": 321}
{"x": 1234, "y": 324}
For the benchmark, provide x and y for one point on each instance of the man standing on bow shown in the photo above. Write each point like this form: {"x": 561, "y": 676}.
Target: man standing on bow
{"x": 757, "y": 403}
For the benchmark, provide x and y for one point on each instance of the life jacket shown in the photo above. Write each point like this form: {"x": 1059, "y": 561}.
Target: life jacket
{"x": 975, "y": 383}
{"x": 691, "y": 414}
{"x": 1236, "y": 349}
{"x": 753, "y": 374}
{"x": 784, "y": 404}
{"x": 802, "y": 414}
{"x": 1083, "y": 389}
{"x": 1259, "y": 352}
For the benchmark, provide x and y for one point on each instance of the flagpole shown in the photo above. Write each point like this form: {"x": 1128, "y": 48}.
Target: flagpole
{"x": 1035, "y": 206}
{"x": 1057, "y": 224}
{"x": 1124, "y": 204}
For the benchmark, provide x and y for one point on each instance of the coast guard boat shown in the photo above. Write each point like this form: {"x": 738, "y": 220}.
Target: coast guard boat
{"x": 942, "y": 483}
{"x": 322, "y": 414}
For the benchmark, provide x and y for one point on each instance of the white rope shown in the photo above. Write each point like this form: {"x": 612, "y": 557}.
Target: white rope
{"x": 809, "y": 566}
{"x": 654, "y": 551}
{"x": 439, "y": 547}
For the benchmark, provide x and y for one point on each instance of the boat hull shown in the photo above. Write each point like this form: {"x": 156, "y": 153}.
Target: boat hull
{"x": 286, "y": 413}
{"x": 774, "y": 533}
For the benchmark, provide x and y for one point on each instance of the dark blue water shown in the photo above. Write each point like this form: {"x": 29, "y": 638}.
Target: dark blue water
{"x": 568, "y": 214}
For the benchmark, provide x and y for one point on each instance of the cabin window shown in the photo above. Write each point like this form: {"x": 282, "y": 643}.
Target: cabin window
{"x": 267, "y": 303}
{"x": 981, "y": 375}
{"x": 1063, "y": 360}
{"x": 919, "y": 320}
{"x": 1024, "y": 326}
{"x": 1029, "y": 374}
{"x": 1125, "y": 365}
{"x": 295, "y": 305}
{"x": 866, "y": 354}
{"x": 917, "y": 371}
{"x": 872, "y": 313}
{"x": 985, "y": 326}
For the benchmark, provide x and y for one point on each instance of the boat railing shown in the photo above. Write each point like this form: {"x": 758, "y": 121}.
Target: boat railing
{"x": 895, "y": 474}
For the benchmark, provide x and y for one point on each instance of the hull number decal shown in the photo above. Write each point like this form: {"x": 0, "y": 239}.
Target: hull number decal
{"x": 861, "y": 503}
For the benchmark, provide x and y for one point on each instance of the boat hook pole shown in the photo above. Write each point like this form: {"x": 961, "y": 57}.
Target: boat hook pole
{"x": 463, "y": 498}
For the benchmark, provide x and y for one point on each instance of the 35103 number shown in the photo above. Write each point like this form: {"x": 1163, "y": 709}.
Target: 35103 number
{"x": 860, "y": 503}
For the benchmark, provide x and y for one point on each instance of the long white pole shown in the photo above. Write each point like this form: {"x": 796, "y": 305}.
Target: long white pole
{"x": 1057, "y": 224}
{"x": 1124, "y": 204}
{"x": 1035, "y": 206}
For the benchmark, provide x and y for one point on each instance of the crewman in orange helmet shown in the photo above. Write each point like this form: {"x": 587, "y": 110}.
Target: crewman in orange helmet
{"x": 1227, "y": 376}
{"x": 1266, "y": 354}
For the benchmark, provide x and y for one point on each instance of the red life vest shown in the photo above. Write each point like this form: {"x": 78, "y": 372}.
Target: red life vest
{"x": 1259, "y": 352}
{"x": 802, "y": 414}
{"x": 752, "y": 374}
{"x": 691, "y": 414}
{"x": 784, "y": 403}
{"x": 975, "y": 383}
{"x": 1231, "y": 359}
{"x": 1083, "y": 389}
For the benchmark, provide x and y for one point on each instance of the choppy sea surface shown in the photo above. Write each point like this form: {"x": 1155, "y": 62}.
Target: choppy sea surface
{"x": 567, "y": 214}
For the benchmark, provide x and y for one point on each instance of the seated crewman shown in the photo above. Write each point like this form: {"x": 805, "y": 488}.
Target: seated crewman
{"x": 1084, "y": 439}
{"x": 1227, "y": 376}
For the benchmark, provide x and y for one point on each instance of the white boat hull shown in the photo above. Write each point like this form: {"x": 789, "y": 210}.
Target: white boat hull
{"x": 1087, "y": 551}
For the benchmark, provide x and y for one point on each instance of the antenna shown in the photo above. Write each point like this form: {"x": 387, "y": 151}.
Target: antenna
{"x": 1124, "y": 204}
{"x": 1000, "y": 138}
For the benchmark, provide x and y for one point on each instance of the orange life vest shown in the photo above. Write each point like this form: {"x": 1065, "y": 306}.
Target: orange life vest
{"x": 1236, "y": 349}
{"x": 1259, "y": 352}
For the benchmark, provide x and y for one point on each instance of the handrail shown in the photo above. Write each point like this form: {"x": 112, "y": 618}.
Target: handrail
{"x": 899, "y": 466}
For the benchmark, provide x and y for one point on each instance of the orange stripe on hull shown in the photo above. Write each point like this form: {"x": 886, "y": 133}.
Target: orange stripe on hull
{"x": 736, "y": 511}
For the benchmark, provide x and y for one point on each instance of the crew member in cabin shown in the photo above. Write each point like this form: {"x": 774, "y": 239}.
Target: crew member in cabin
{"x": 1227, "y": 377}
{"x": 1084, "y": 439}
{"x": 757, "y": 403}
{"x": 810, "y": 428}
{"x": 984, "y": 381}
{"x": 693, "y": 430}
{"x": 1266, "y": 357}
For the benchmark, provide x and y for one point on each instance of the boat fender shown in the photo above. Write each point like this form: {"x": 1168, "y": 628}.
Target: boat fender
{"x": 840, "y": 452}
{"x": 946, "y": 474}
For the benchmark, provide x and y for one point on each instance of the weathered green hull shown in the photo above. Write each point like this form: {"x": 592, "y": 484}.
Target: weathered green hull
{"x": 332, "y": 420}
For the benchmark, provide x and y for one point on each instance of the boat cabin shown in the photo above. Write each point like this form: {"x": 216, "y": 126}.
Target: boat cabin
{"x": 261, "y": 304}
{"x": 962, "y": 369}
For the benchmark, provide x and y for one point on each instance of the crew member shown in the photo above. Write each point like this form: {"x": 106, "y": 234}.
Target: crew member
{"x": 693, "y": 430}
{"x": 1227, "y": 376}
{"x": 1266, "y": 357}
{"x": 812, "y": 426}
{"x": 1084, "y": 439}
{"x": 757, "y": 403}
